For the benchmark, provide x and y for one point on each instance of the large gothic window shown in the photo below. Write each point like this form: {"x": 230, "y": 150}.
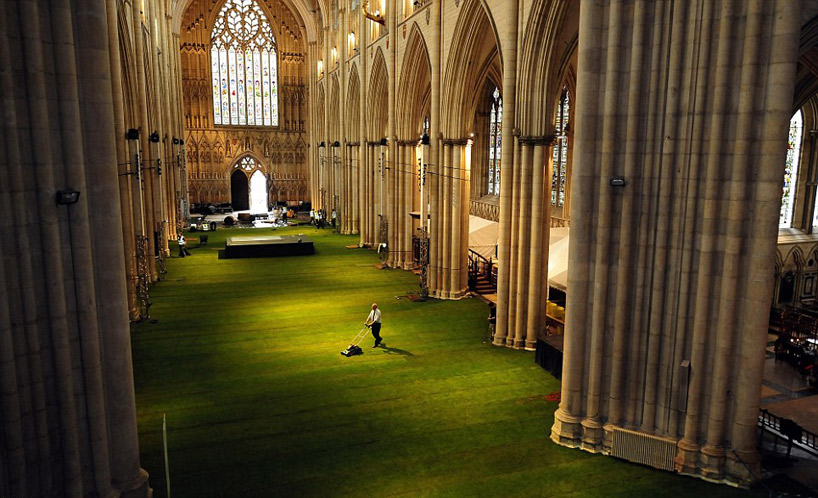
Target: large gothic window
{"x": 495, "y": 134}
{"x": 791, "y": 171}
{"x": 560, "y": 154}
{"x": 244, "y": 66}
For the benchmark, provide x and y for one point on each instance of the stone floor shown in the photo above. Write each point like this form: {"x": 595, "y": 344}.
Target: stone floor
{"x": 786, "y": 394}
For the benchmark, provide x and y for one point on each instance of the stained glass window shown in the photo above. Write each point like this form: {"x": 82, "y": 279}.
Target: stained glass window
{"x": 791, "y": 171}
{"x": 560, "y": 154}
{"x": 495, "y": 135}
{"x": 426, "y": 127}
{"x": 244, "y": 66}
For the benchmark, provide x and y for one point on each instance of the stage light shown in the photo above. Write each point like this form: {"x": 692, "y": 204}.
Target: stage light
{"x": 424, "y": 140}
{"x": 132, "y": 134}
{"x": 322, "y": 144}
{"x": 384, "y": 142}
{"x": 175, "y": 141}
{"x": 618, "y": 181}
{"x": 154, "y": 137}
{"x": 67, "y": 196}
{"x": 336, "y": 143}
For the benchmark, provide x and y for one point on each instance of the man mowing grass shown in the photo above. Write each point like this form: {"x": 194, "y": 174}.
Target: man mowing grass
{"x": 373, "y": 321}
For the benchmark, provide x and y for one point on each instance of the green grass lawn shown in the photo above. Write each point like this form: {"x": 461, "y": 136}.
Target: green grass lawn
{"x": 245, "y": 362}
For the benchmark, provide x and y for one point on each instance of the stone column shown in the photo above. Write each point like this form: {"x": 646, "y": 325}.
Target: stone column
{"x": 686, "y": 242}
{"x": 524, "y": 219}
{"x": 454, "y": 208}
{"x": 538, "y": 248}
{"x": 504, "y": 249}
{"x": 446, "y": 224}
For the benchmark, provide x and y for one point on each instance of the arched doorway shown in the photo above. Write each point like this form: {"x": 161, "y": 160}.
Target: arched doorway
{"x": 248, "y": 185}
{"x": 239, "y": 191}
{"x": 258, "y": 192}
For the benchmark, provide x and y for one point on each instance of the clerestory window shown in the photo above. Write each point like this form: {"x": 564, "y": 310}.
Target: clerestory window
{"x": 560, "y": 154}
{"x": 495, "y": 135}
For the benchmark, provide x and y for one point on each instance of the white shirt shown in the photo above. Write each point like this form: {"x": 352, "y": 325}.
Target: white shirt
{"x": 374, "y": 316}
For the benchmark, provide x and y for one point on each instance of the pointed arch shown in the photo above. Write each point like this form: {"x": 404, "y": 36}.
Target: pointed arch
{"x": 379, "y": 97}
{"x": 795, "y": 259}
{"x": 319, "y": 128}
{"x": 239, "y": 163}
{"x": 414, "y": 86}
{"x": 334, "y": 106}
{"x": 552, "y": 28}
{"x": 244, "y": 64}
{"x": 353, "y": 105}
{"x": 301, "y": 10}
{"x": 471, "y": 48}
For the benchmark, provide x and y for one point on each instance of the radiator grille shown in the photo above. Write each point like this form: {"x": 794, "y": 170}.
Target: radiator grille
{"x": 658, "y": 452}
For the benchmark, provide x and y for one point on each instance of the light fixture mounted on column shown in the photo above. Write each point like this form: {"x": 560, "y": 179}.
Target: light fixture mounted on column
{"x": 336, "y": 143}
{"x": 154, "y": 137}
{"x": 132, "y": 134}
{"x": 65, "y": 197}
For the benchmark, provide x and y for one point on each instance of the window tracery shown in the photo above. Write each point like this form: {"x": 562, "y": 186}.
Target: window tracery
{"x": 791, "y": 170}
{"x": 560, "y": 152}
{"x": 244, "y": 66}
{"x": 495, "y": 135}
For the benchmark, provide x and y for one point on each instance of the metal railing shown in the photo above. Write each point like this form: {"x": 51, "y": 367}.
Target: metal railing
{"x": 788, "y": 430}
{"x": 479, "y": 266}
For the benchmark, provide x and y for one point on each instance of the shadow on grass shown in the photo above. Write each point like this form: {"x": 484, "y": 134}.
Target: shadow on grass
{"x": 400, "y": 352}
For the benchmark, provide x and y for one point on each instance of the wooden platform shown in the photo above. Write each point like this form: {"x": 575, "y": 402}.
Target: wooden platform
{"x": 266, "y": 246}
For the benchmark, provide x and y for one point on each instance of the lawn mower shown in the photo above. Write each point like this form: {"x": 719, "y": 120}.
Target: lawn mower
{"x": 353, "y": 348}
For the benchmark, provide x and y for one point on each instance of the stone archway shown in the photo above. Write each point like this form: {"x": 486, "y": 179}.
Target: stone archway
{"x": 239, "y": 191}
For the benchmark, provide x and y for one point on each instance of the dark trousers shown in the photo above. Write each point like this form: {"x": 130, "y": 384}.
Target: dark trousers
{"x": 376, "y": 332}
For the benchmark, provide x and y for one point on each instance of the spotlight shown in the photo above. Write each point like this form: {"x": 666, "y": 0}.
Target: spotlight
{"x": 322, "y": 144}
{"x": 67, "y": 196}
{"x": 336, "y": 143}
{"x": 175, "y": 141}
{"x": 132, "y": 134}
{"x": 383, "y": 141}
{"x": 154, "y": 137}
{"x": 424, "y": 140}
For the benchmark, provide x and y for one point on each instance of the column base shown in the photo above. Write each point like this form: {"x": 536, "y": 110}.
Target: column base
{"x": 138, "y": 487}
{"x": 499, "y": 340}
{"x": 687, "y": 457}
{"x": 741, "y": 467}
{"x": 567, "y": 429}
{"x": 592, "y": 435}
{"x": 712, "y": 462}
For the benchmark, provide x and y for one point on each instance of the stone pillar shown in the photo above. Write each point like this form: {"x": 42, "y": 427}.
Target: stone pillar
{"x": 504, "y": 250}
{"x": 434, "y": 179}
{"x": 523, "y": 243}
{"x": 68, "y": 417}
{"x": 671, "y": 273}
{"x": 538, "y": 248}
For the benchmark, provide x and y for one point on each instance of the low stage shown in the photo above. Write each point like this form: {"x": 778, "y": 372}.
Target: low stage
{"x": 265, "y": 246}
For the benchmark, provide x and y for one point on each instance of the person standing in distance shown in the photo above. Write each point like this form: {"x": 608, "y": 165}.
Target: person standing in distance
{"x": 182, "y": 246}
{"x": 373, "y": 321}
